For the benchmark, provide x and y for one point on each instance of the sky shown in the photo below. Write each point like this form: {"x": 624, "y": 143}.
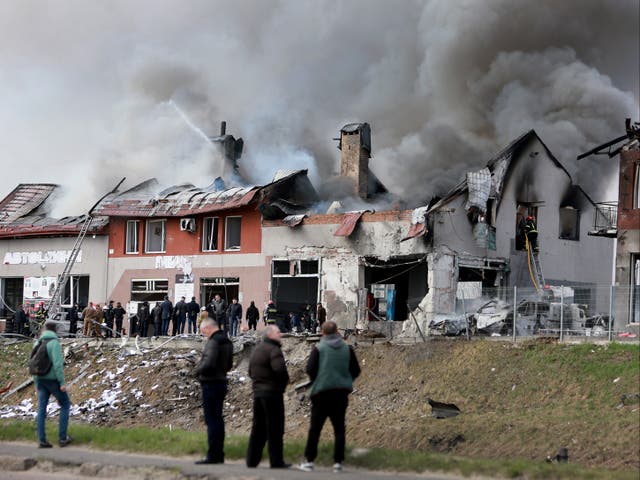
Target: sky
{"x": 97, "y": 91}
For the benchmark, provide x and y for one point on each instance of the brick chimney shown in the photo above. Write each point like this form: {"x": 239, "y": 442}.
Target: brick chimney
{"x": 355, "y": 145}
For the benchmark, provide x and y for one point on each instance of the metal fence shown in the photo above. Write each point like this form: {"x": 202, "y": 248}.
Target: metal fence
{"x": 558, "y": 310}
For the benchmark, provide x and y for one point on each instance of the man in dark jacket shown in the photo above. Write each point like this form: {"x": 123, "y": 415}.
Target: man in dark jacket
{"x": 20, "y": 320}
{"x": 217, "y": 310}
{"x": 156, "y": 314}
{"x": 332, "y": 367}
{"x": 72, "y": 316}
{"x": 108, "y": 318}
{"x": 179, "y": 317}
{"x": 144, "y": 316}
{"x": 216, "y": 361}
{"x": 234, "y": 317}
{"x": 270, "y": 378}
{"x": 253, "y": 314}
{"x": 118, "y": 316}
{"x": 193, "y": 309}
{"x": 167, "y": 311}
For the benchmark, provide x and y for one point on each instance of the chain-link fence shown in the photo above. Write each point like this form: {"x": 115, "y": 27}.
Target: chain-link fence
{"x": 558, "y": 310}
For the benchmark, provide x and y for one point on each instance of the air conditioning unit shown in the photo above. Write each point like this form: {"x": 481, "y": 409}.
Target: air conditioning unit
{"x": 188, "y": 224}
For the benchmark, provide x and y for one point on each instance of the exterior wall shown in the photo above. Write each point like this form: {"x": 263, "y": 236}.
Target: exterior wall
{"x": 188, "y": 243}
{"x": 628, "y": 241}
{"x": 93, "y": 261}
{"x": 533, "y": 178}
{"x": 341, "y": 272}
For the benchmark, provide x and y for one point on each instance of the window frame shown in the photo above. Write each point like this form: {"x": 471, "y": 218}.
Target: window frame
{"x": 127, "y": 251}
{"x": 215, "y": 220}
{"x": 636, "y": 187}
{"x": 577, "y": 224}
{"x": 226, "y": 234}
{"x": 163, "y": 222}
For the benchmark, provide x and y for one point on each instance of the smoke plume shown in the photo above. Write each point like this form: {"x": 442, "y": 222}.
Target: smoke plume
{"x": 94, "y": 91}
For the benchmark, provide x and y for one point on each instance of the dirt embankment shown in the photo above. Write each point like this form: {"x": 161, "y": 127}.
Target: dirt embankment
{"x": 522, "y": 401}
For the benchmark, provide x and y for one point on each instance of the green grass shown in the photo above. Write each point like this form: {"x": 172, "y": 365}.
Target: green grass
{"x": 177, "y": 443}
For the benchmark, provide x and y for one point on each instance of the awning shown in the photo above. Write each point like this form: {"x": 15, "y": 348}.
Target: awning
{"x": 349, "y": 223}
{"x": 293, "y": 220}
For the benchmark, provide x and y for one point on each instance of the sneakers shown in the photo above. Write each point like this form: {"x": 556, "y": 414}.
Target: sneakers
{"x": 66, "y": 441}
{"x": 337, "y": 467}
{"x": 45, "y": 444}
{"x": 306, "y": 466}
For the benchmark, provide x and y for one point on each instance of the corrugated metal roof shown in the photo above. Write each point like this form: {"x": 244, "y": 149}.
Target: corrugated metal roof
{"x": 25, "y": 198}
{"x": 40, "y": 225}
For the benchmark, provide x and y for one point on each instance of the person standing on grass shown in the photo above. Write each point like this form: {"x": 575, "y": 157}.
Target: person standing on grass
{"x": 216, "y": 361}
{"x": 268, "y": 372}
{"x": 332, "y": 368}
{"x": 52, "y": 383}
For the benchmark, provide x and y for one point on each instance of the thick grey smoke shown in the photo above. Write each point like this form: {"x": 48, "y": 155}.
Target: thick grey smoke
{"x": 94, "y": 91}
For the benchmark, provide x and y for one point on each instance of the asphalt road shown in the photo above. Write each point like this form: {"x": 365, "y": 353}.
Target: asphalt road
{"x": 75, "y": 462}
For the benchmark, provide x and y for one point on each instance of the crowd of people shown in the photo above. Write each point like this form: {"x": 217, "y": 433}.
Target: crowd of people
{"x": 166, "y": 319}
{"x": 332, "y": 367}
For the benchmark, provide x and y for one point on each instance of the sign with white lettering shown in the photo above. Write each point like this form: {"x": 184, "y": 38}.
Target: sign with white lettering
{"x": 42, "y": 257}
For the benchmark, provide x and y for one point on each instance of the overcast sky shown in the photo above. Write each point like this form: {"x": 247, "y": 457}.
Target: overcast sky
{"x": 91, "y": 90}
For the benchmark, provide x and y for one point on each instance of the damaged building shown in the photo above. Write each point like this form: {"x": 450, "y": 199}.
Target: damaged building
{"x": 408, "y": 265}
{"x": 35, "y": 248}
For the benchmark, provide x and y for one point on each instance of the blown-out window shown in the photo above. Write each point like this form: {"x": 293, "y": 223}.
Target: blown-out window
{"x": 210, "y": 234}
{"x": 132, "y": 236}
{"x": 569, "y": 223}
{"x": 232, "y": 233}
{"x": 636, "y": 188}
{"x": 155, "y": 238}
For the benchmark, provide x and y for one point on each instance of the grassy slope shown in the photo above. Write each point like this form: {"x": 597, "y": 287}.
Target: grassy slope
{"x": 539, "y": 397}
{"x": 517, "y": 402}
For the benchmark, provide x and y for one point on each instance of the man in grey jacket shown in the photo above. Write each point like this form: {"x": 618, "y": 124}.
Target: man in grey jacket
{"x": 268, "y": 372}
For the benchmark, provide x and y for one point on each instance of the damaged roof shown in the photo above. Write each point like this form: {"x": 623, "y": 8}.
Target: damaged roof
{"x": 498, "y": 167}
{"x": 19, "y": 216}
{"x": 24, "y": 199}
{"x": 288, "y": 193}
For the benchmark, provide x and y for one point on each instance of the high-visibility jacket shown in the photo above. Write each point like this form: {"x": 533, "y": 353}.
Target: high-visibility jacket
{"x": 271, "y": 313}
{"x": 530, "y": 227}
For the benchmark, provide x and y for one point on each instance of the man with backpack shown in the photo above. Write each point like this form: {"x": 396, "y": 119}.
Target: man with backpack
{"x": 47, "y": 367}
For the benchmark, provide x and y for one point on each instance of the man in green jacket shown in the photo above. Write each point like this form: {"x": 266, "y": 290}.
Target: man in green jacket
{"x": 52, "y": 383}
{"x": 332, "y": 367}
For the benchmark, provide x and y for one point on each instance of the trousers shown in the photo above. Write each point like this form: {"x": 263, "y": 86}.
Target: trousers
{"x": 46, "y": 388}
{"x": 267, "y": 426}
{"x": 213, "y": 394}
{"x": 332, "y": 404}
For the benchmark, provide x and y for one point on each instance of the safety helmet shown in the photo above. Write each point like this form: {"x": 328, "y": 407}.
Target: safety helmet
{"x": 529, "y": 217}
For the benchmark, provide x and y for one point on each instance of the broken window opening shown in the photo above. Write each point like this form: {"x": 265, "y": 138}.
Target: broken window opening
{"x": 405, "y": 276}
{"x": 210, "y": 234}
{"x": 523, "y": 210}
{"x": 149, "y": 290}
{"x": 131, "y": 243}
{"x": 636, "y": 187}
{"x": 281, "y": 267}
{"x": 569, "y": 223}
{"x": 227, "y": 287}
{"x": 75, "y": 291}
{"x": 232, "y": 233}
{"x": 155, "y": 237}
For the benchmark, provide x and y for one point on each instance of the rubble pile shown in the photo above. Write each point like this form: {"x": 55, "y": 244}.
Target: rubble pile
{"x": 126, "y": 385}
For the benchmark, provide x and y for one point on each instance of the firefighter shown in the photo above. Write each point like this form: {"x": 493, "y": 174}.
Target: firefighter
{"x": 270, "y": 314}
{"x": 531, "y": 231}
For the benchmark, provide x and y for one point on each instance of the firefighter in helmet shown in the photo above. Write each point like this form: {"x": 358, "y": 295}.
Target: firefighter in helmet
{"x": 531, "y": 231}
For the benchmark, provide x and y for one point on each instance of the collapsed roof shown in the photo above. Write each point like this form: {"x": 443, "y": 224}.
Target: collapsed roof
{"x": 290, "y": 193}
{"x": 22, "y": 214}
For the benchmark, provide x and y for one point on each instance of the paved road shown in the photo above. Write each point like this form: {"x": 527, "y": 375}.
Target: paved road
{"x": 71, "y": 458}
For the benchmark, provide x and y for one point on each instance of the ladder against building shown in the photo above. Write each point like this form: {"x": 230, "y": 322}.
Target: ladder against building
{"x": 53, "y": 308}
{"x": 535, "y": 269}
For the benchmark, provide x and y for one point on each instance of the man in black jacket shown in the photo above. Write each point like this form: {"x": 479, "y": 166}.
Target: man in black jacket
{"x": 216, "y": 361}
{"x": 193, "y": 309}
{"x": 253, "y": 314}
{"x": 179, "y": 317}
{"x": 270, "y": 378}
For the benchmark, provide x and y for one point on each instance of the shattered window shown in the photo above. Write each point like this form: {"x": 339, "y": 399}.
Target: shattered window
{"x": 210, "y": 235}
{"x": 132, "y": 237}
{"x": 149, "y": 290}
{"x": 281, "y": 267}
{"x": 232, "y": 233}
{"x": 569, "y": 223}
{"x": 308, "y": 267}
{"x": 155, "y": 236}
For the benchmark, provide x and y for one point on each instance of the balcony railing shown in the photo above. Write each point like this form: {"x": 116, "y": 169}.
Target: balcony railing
{"x": 605, "y": 222}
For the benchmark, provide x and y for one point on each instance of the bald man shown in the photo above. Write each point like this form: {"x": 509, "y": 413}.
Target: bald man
{"x": 268, "y": 372}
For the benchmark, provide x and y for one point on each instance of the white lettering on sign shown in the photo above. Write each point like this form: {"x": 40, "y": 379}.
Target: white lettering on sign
{"x": 33, "y": 258}
{"x": 178, "y": 261}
